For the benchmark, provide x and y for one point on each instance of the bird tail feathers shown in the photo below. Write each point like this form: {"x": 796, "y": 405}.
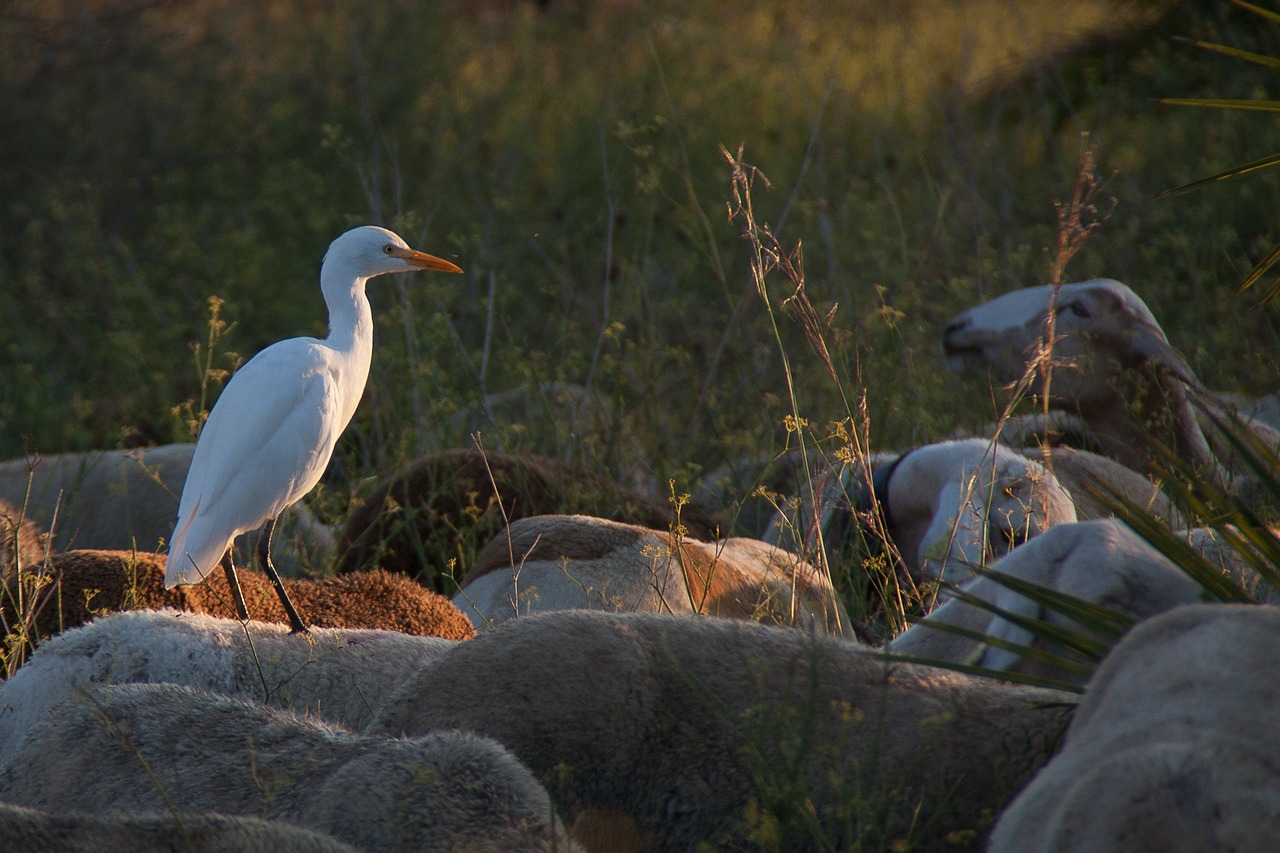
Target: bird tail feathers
{"x": 188, "y": 565}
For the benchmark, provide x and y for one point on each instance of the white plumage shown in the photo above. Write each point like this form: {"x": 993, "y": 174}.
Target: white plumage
{"x": 270, "y": 436}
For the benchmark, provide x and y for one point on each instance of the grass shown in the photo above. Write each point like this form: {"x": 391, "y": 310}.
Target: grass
{"x": 571, "y": 163}
{"x": 182, "y": 167}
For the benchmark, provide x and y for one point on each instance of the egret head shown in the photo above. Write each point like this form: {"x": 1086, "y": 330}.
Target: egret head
{"x": 369, "y": 250}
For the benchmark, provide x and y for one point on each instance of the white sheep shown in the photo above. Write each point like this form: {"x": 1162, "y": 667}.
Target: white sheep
{"x": 1113, "y": 367}
{"x": 948, "y": 507}
{"x": 1087, "y": 475}
{"x": 79, "y": 832}
{"x": 166, "y": 748}
{"x": 665, "y": 733}
{"x": 1173, "y": 748}
{"x": 1102, "y": 562}
{"x": 1263, "y": 409}
{"x": 557, "y": 562}
{"x": 341, "y": 675}
{"x": 128, "y": 500}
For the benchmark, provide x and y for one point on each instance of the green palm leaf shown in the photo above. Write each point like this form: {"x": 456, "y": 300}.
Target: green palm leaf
{"x": 1261, "y": 163}
{"x": 1260, "y": 105}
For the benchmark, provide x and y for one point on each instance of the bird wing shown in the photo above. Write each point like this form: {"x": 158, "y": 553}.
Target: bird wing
{"x": 266, "y": 444}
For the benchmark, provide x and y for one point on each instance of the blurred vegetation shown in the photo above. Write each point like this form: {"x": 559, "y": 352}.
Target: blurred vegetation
{"x": 171, "y": 173}
{"x": 161, "y": 153}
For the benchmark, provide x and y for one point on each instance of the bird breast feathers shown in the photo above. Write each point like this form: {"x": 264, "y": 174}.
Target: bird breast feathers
{"x": 271, "y": 433}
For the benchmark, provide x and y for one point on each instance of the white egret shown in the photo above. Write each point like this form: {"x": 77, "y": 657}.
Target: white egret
{"x": 269, "y": 437}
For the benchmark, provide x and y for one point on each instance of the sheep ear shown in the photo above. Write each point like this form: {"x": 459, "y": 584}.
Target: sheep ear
{"x": 1146, "y": 338}
{"x": 956, "y": 538}
{"x": 1151, "y": 344}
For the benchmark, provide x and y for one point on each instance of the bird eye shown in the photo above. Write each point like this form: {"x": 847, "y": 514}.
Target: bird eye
{"x": 388, "y": 248}
{"x": 1077, "y": 308}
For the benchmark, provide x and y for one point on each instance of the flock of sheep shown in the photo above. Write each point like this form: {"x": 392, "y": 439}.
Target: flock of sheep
{"x": 565, "y": 700}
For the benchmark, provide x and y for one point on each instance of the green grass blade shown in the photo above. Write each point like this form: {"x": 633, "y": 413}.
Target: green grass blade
{"x": 1044, "y": 656}
{"x": 1089, "y": 614}
{"x": 971, "y": 669}
{"x": 1074, "y": 640}
{"x": 1236, "y": 53}
{"x": 1261, "y": 163}
{"x": 1258, "y": 272}
{"x": 1257, "y": 105}
{"x": 1273, "y": 17}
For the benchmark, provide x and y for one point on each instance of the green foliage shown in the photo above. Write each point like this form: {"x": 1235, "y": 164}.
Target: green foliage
{"x": 568, "y": 160}
{"x": 1271, "y": 63}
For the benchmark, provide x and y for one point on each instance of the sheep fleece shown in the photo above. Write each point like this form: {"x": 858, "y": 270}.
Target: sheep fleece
{"x": 150, "y": 747}
{"x": 1173, "y": 749}
{"x": 341, "y": 676}
{"x": 32, "y": 830}
{"x": 672, "y": 728}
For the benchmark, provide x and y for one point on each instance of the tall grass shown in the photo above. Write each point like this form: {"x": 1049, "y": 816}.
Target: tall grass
{"x": 569, "y": 160}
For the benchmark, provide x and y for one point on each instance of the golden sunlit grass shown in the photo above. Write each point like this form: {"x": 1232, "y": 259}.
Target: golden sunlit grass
{"x": 868, "y": 55}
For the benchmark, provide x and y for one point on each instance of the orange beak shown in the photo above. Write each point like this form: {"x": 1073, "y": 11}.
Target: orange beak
{"x": 424, "y": 261}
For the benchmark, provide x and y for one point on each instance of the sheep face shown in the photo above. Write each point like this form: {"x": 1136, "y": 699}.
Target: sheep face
{"x": 1101, "y": 327}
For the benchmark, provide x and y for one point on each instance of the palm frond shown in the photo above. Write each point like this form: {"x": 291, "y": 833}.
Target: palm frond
{"x": 1274, "y": 17}
{"x": 1260, "y": 163}
{"x": 1236, "y": 53}
{"x": 1259, "y": 270}
{"x": 1259, "y": 105}
{"x": 1256, "y": 104}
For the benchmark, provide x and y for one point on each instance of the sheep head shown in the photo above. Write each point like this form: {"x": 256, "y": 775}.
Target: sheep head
{"x": 1101, "y": 329}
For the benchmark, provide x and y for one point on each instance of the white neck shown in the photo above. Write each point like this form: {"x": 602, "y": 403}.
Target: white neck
{"x": 350, "y": 330}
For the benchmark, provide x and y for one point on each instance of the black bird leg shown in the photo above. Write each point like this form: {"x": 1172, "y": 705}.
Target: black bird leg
{"x": 237, "y": 596}
{"x": 264, "y": 557}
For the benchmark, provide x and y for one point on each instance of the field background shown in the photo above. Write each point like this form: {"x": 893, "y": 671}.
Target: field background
{"x": 158, "y": 154}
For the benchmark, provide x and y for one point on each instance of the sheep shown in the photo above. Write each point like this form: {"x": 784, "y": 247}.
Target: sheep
{"x": 127, "y": 499}
{"x": 1064, "y": 443}
{"x": 22, "y": 543}
{"x": 664, "y": 733}
{"x": 441, "y": 506}
{"x": 372, "y": 599}
{"x": 556, "y": 562}
{"x": 1173, "y": 747}
{"x": 78, "y": 832}
{"x": 80, "y": 584}
{"x": 1114, "y": 368}
{"x": 1087, "y": 475}
{"x": 563, "y": 410}
{"x": 167, "y": 748}
{"x": 217, "y": 655}
{"x": 1102, "y": 562}
{"x": 948, "y": 507}
{"x": 340, "y": 675}
{"x": 1264, "y": 409}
